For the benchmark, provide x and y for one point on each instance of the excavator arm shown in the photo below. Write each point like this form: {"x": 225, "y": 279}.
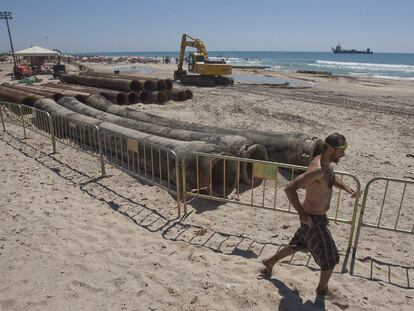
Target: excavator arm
{"x": 195, "y": 43}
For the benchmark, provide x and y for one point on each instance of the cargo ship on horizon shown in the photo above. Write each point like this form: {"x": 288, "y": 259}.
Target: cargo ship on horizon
{"x": 338, "y": 50}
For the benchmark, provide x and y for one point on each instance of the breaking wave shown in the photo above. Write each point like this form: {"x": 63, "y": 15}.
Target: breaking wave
{"x": 363, "y": 66}
{"x": 392, "y": 77}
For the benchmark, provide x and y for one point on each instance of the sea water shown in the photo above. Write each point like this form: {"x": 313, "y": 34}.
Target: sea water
{"x": 380, "y": 65}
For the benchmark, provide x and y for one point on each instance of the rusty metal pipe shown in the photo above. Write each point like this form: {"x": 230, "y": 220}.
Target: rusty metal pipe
{"x": 189, "y": 93}
{"x": 177, "y": 95}
{"x": 102, "y": 82}
{"x": 117, "y": 97}
{"x": 236, "y": 145}
{"x": 77, "y": 94}
{"x": 145, "y": 97}
{"x": 160, "y": 84}
{"x": 159, "y": 97}
{"x": 133, "y": 97}
{"x": 293, "y": 148}
{"x": 183, "y": 149}
{"x": 149, "y": 85}
{"x": 15, "y": 96}
{"x": 44, "y": 93}
{"x": 169, "y": 84}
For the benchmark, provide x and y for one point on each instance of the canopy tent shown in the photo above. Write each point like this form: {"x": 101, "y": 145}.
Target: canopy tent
{"x": 35, "y": 51}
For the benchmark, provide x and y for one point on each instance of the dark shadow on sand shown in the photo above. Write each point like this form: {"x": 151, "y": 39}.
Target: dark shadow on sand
{"x": 375, "y": 274}
{"x": 291, "y": 300}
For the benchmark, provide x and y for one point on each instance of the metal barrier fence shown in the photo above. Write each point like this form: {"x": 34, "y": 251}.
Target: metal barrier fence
{"x": 386, "y": 219}
{"x": 79, "y": 135}
{"x": 149, "y": 162}
{"x": 225, "y": 185}
{"x": 34, "y": 119}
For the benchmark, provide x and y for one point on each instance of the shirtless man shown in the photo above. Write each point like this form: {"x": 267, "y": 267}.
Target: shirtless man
{"x": 313, "y": 234}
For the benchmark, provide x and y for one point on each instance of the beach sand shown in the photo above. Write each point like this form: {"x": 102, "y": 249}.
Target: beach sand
{"x": 71, "y": 240}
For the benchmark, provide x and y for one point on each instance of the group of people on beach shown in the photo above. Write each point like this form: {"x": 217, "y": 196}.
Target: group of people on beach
{"x": 313, "y": 233}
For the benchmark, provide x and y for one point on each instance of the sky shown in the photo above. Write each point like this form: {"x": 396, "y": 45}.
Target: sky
{"x": 223, "y": 25}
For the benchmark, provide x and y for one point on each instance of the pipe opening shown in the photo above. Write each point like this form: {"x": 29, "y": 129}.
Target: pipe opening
{"x": 149, "y": 85}
{"x": 57, "y": 96}
{"x": 133, "y": 97}
{"x": 189, "y": 94}
{"x": 201, "y": 181}
{"x": 161, "y": 98}
{"x": 80, "y": 97}
{"x": 222, "y": 186}
{"x": 28, "y": 101}
{"x": 161, "y": 85}
{"x": 255, "y": 152}
{"x": 169, "y": 84}
{"x": 145, "y": 97}
{"x": 136, "y": 85}
{"x": 121, "y": 99}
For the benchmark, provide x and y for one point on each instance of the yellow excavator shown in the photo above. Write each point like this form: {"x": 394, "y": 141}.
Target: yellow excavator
{"x": 206, "y": 72}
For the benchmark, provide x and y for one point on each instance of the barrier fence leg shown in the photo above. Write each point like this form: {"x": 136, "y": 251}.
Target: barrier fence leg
{"x": 184, "y": 188}
{"x": 22, "y": 120}
{"x": 2, "y": 120}
{"x": 178, "y": 188}
{"x": 353, "y": 225}
{"x": 103, "y": 172}
{"x": 358, "y": 230}
{"x": 52, "y": 133}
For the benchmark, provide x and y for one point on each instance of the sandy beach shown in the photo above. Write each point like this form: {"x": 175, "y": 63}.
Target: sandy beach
{"x": 71, "y": 240}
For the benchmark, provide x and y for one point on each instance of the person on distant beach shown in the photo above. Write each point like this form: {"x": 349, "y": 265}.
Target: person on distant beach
{"x": 313, "y": 234}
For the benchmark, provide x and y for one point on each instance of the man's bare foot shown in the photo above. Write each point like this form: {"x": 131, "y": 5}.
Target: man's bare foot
{"x": 268, "y": 267}
{"x": 323, "y": 291}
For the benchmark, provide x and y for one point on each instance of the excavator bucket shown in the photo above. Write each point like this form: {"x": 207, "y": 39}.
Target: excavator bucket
{"x": 179, "y": 73}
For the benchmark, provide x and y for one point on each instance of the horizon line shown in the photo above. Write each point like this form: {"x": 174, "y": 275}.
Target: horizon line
{"x": 226, "y": 51}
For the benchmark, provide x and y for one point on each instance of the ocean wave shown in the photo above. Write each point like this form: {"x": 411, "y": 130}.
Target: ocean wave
{"x": 367, "y": 75}
{"x": 229, "y": 59}
{"x": 393, "y": 78}
{"x": 239, "y": 60}
{"x": 275, "y": 67}
{"x": 363, "y": 66}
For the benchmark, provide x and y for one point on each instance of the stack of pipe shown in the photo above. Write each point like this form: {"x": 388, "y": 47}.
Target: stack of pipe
{"x": 145, "y": 89}
{"x": 104, "y": 82}
{"x": 117, "y": 97}
{"x": 293, "y": 148}
{"x": 79, "y": 132}
{"x": 154, "y": 89}
{"x": 158, "y": 97}
{"x": 232, "y": 144}
{"x": 152, "y": 85}
{"x": 149, "y": 85}
{"x": 118, "y": 146}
